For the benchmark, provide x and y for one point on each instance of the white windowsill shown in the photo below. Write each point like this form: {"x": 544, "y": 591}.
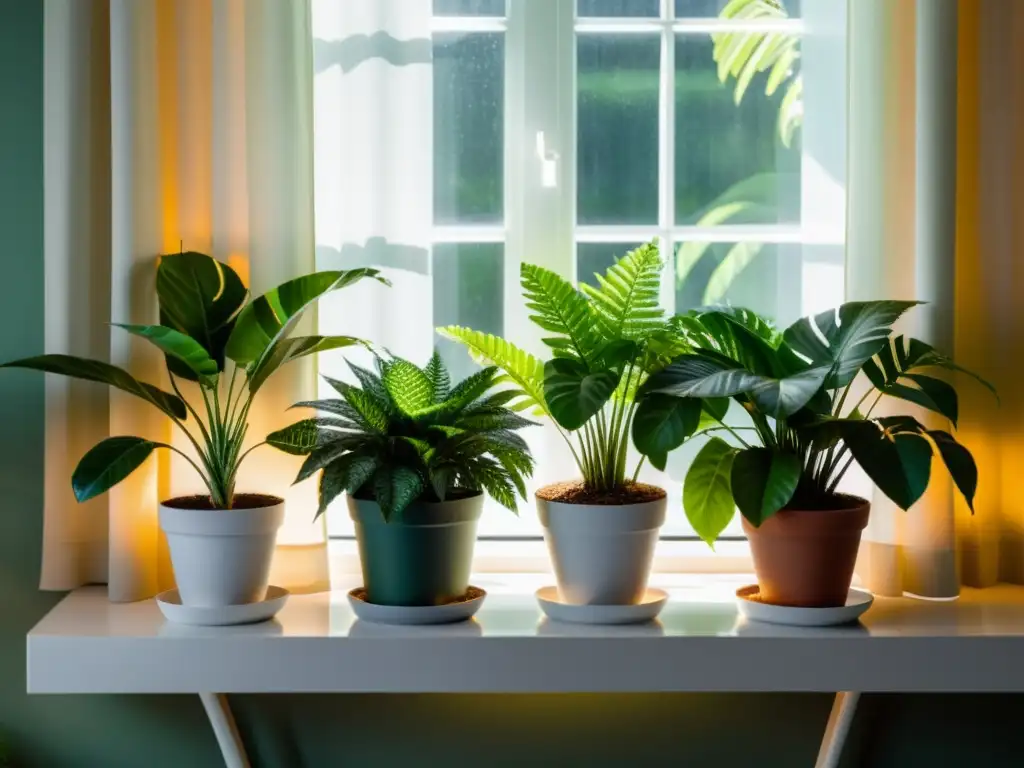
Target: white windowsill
{"x": 89, "y": 645}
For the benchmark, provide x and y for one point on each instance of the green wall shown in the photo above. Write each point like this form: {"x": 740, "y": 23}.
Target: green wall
{"x": 294, "y": 731}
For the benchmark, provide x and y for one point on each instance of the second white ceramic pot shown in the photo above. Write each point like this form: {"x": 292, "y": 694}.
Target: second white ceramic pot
{"x": 221, "y": 557}
{"x": 602, "y": 554}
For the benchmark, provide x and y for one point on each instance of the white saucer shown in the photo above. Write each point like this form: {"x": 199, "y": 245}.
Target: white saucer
{"x": 857, "y": 601}
{"x": 646, "y": 610}
{"x": 248, "y": 613}
{"x": 415, "y": 614}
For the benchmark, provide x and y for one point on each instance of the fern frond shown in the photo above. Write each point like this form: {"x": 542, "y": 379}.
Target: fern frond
{"x": 626, "y": 301}
{"x": 437, "y": 375}
{"x": 559, "y": 308}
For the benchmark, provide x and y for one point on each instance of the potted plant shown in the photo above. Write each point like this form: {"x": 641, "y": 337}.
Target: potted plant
{"x": 220, "y": 542}
{"x": 601, "y": 529}
{"x": 415, "y": 456}
{"x": 783, "y": 467}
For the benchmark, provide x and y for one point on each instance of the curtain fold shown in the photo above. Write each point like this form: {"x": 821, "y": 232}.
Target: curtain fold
{"x": 928, "y": 219}
{"x": 168, "y": 124}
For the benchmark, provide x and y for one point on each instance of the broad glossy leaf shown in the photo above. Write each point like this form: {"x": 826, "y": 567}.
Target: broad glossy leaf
{"x": 179, "y": 346}
{"x": 662, "y": 423}
{"x": 740, "y": 343}
{"x": 200, "y": 297}
{"x": 108, "y": 463}
{"x": 781, "y": 398}
{"x": 845, "y": 339}
{"x": 897, "y": 461}
{"x": 573, "y": 393}
{"x": 763, "y": 481}
{"x": 959, "y": 462}
{"x": 291, "y": 349}
{"x": 707, "y": 490}
{"x": 94, "y": 370}
{"x": 931, "y": 393}
{"x": 271, "y": 317}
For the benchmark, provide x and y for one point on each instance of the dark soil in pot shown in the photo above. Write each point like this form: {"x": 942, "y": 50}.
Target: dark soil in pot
{"x": 576, "y": 493}
{"x": 806, "y": 557}
{"x": 242, "y": 501}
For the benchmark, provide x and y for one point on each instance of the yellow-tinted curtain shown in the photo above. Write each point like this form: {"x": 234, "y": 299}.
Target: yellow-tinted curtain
{"x": 169, "y": 123}
{"x": 934, "y": 198}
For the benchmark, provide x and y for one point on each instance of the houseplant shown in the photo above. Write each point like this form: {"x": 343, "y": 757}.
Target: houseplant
{"x": 415, "y": 456}
{"x": 783, "y": 468}
{"x": 220, "y": 543}
{"x": 604, "y": 340}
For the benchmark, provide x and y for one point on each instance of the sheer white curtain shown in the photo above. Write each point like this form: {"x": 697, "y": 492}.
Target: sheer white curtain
{"x": 936, "y": 110}
{"x": 373, "y": 86}
{"x": 167, "y": 124}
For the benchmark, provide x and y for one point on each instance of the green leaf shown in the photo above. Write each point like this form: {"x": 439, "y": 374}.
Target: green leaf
{"x": 409, "y": 387}
{"x": 523, "y": 370}
{"x": 573, "y": 393}
{"x": 896, "y": 459}
{"x": 94, "y": 370}
{"x": 845, "y": 339}
{"x": 933, "y": 394}
{"x": 627, "y": 297}
{"x": 108, "y": 463}
{"x": 662, "y": 423}
{"x": 763, "y": 482}
{"x": 728, "y": 335}
{"x": 271, "y": 317}
{"x": 437, "y": 374}
{"x": 959, "y": 462}
{"x": 903, "y": 356}
{"x": 707, "y": 490}
{"x": 332, "y": 449}
{"x": 557, "y": 307}
{"x": 199, "y": 297}
{"x": 291, "y": 349}
{"x": 395, "y": 488}
{"x": 179, "y": 346}
{"x": 303, "y": 437}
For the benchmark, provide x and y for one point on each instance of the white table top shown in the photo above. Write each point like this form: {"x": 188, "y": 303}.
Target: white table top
{"x": 89, "y": 645}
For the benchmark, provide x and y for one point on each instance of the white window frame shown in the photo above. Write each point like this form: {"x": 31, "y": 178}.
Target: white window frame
{"x": 539, "y": 221}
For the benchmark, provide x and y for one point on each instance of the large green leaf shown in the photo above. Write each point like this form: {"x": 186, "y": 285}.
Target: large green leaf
{"x": 557, "y": 307}
{"x": 933, "y": 394}
{"x": 707, "y": 490}
{"x": 347, "y": 474}
{"x": 662, "y": 423}
{"x": 725, "y": 332}
{"x": 573, "y": 393}
{"x": 894, "y": 455}
{"x": 410, "y": 388}
{"x": 523, "y": 370}
{"x": 395, "y": 488}
{"x": 291, "y": 349}
{"x": 200, "y": 297}
{"x": 959, "y": 462}
{"x": 179, "y": 346}
{"x": 270, "y": 318}
{"x": 94, "y": 370}
{"x": 845, "y": 339}
{"x": 626, "y": 300}
{"x": 763, "y": 481}
{"x": 305, "y": 436}
{"x": 108, "y": 463}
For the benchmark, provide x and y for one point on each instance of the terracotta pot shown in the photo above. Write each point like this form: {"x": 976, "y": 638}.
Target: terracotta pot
{"x": 806, "y": 557}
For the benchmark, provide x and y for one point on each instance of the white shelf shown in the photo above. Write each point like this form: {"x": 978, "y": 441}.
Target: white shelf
{"x": 89, "y": 645}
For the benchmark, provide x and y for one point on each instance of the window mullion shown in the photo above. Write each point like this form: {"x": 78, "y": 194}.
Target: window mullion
{"x": 666, "y": 155}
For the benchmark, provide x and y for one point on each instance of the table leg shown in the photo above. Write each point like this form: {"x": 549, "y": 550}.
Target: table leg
{"x": 231, "y": 747}
{"x": 837, "y": 729}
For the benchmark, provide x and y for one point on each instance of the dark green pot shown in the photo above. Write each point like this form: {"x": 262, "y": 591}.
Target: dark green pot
{"x": 423, "y": 556}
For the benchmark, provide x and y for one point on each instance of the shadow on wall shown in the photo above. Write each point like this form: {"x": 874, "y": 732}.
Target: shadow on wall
{"x": 349, "y": 52}
{"x": 378, "y": 253}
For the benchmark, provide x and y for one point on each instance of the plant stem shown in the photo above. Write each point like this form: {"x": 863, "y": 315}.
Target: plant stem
{"x": 206, "y": 481}
{"x": 862, "y": 399}
{"x": 839, "y": 476}
{"x": 188, "y": 407}
{"x": 872, "y": 408}
{"x": 639, "y": 464}
{"x": 734, "y": 433}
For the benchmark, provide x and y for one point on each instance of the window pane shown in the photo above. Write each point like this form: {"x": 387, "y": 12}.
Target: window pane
{"x": 468, "y": 290}
{"x": 728, "y": 153}
{"x": 597, "y": 257}
{"x": 468, "y": 134}
{"x": 702, "y": 9}
{"x": 612, "y": 8}
{"x": 617, "y": 118}
{"x": 469, "y": 7}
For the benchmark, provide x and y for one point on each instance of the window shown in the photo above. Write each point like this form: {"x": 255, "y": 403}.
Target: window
{"x": 455, "y": 139}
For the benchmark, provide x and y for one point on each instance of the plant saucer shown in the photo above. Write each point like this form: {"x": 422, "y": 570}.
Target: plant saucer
{"x": 646, "y": 610}
{"x": 857, "y": 601}
{"x": 460, "y": 610}
{"x": 172, "y": 608}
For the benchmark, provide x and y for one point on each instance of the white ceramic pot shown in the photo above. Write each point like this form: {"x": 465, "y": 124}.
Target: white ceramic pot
{"x": 602, "y": 553}
{"x": 221, "y": 556}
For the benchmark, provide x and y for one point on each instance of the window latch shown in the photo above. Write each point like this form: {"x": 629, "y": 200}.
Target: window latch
{"x": 548, "y": 163}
